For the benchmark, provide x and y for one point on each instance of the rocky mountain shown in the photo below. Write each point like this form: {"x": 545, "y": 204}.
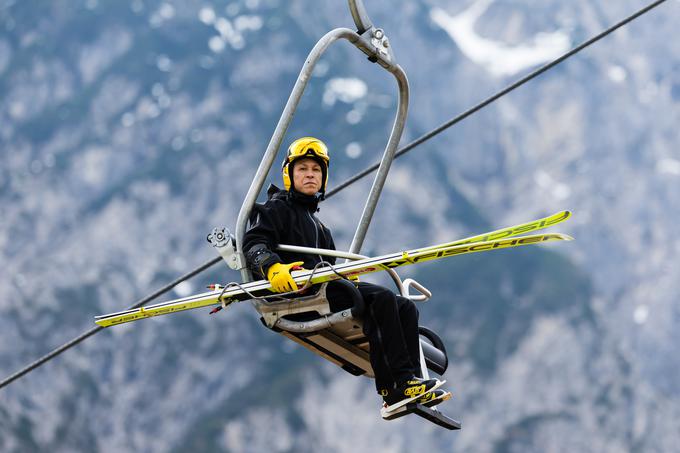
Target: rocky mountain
{"x": 128, "y": 130}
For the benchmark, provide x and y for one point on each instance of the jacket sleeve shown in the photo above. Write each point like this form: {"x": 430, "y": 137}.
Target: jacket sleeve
{"x": 266, "y": 225}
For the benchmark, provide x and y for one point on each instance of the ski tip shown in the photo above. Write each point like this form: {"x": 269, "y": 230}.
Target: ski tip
{"x": 556, "y": 237}
{"x": 561, "y": 215}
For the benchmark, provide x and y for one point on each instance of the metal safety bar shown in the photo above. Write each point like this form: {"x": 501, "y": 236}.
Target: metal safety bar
{"x": 402, "y": 286}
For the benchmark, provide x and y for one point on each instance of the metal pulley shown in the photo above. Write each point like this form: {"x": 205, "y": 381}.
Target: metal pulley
{"x": 225, "y": 243}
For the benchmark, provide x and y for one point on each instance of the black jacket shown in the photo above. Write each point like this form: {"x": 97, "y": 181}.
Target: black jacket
{"x": 285, "y": 218}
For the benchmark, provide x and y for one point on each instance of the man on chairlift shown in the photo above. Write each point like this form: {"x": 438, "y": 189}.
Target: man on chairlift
{"x": 390, "y": 321}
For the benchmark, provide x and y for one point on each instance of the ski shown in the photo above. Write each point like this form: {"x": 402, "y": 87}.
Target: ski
{"x": 511, "y": 231}
{"x": 261, "y": 288}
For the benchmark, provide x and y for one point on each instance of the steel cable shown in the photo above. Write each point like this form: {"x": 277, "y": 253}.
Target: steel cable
{"x": 348, "y": 182}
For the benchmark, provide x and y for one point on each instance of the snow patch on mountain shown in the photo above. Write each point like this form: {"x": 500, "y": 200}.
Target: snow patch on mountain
{"x": 496, "y": 57}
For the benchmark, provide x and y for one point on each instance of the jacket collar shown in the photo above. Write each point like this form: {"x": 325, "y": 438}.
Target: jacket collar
{"x": 309, "y": 202}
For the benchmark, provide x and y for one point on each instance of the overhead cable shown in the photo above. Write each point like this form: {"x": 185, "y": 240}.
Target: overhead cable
{"x": 347, "y": 183}
{"x": 94, "y": 330}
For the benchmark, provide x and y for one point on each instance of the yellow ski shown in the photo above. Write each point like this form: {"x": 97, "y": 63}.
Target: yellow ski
{"x": 523, "y": 228}
{"x": 261, "y": 288}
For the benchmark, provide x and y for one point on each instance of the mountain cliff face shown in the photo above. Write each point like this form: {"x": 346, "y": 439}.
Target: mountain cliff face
{"x": 128, "y": 130}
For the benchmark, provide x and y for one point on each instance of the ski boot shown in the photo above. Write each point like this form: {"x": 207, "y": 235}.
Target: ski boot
{"x": 408, "y": 391}
{"x": 431, "y": 399}
{"x": 428, "y": 399}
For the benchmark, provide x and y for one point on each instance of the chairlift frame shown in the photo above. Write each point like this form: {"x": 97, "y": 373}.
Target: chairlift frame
{"x": 338, "y": 337}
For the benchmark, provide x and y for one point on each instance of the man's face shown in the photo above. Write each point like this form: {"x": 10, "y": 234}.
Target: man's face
{"x": 307, "y": 176}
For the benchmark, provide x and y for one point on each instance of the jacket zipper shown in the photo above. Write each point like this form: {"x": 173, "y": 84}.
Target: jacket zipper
{"x": 316, "y": 233}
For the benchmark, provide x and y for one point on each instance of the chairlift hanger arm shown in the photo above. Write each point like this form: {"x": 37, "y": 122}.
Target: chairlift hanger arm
{"x": 387, "y": 62}
{"x": 360, "y": 16}
{"x": 318, "y": 251}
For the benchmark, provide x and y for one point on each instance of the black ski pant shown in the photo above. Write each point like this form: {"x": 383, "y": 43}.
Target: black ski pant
{"x": 391, "y": 326}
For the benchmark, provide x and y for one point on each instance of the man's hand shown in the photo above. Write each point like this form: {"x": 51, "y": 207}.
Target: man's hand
{"x": 279, "y": 276}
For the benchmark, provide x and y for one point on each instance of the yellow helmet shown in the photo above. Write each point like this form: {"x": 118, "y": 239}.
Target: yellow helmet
{"x": 312, "y": 148}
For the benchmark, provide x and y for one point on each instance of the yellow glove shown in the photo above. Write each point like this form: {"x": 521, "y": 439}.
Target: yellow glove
{"x": 279, "y": 276}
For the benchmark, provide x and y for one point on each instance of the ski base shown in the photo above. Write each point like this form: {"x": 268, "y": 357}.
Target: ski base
{"x": 434, "y": 416}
